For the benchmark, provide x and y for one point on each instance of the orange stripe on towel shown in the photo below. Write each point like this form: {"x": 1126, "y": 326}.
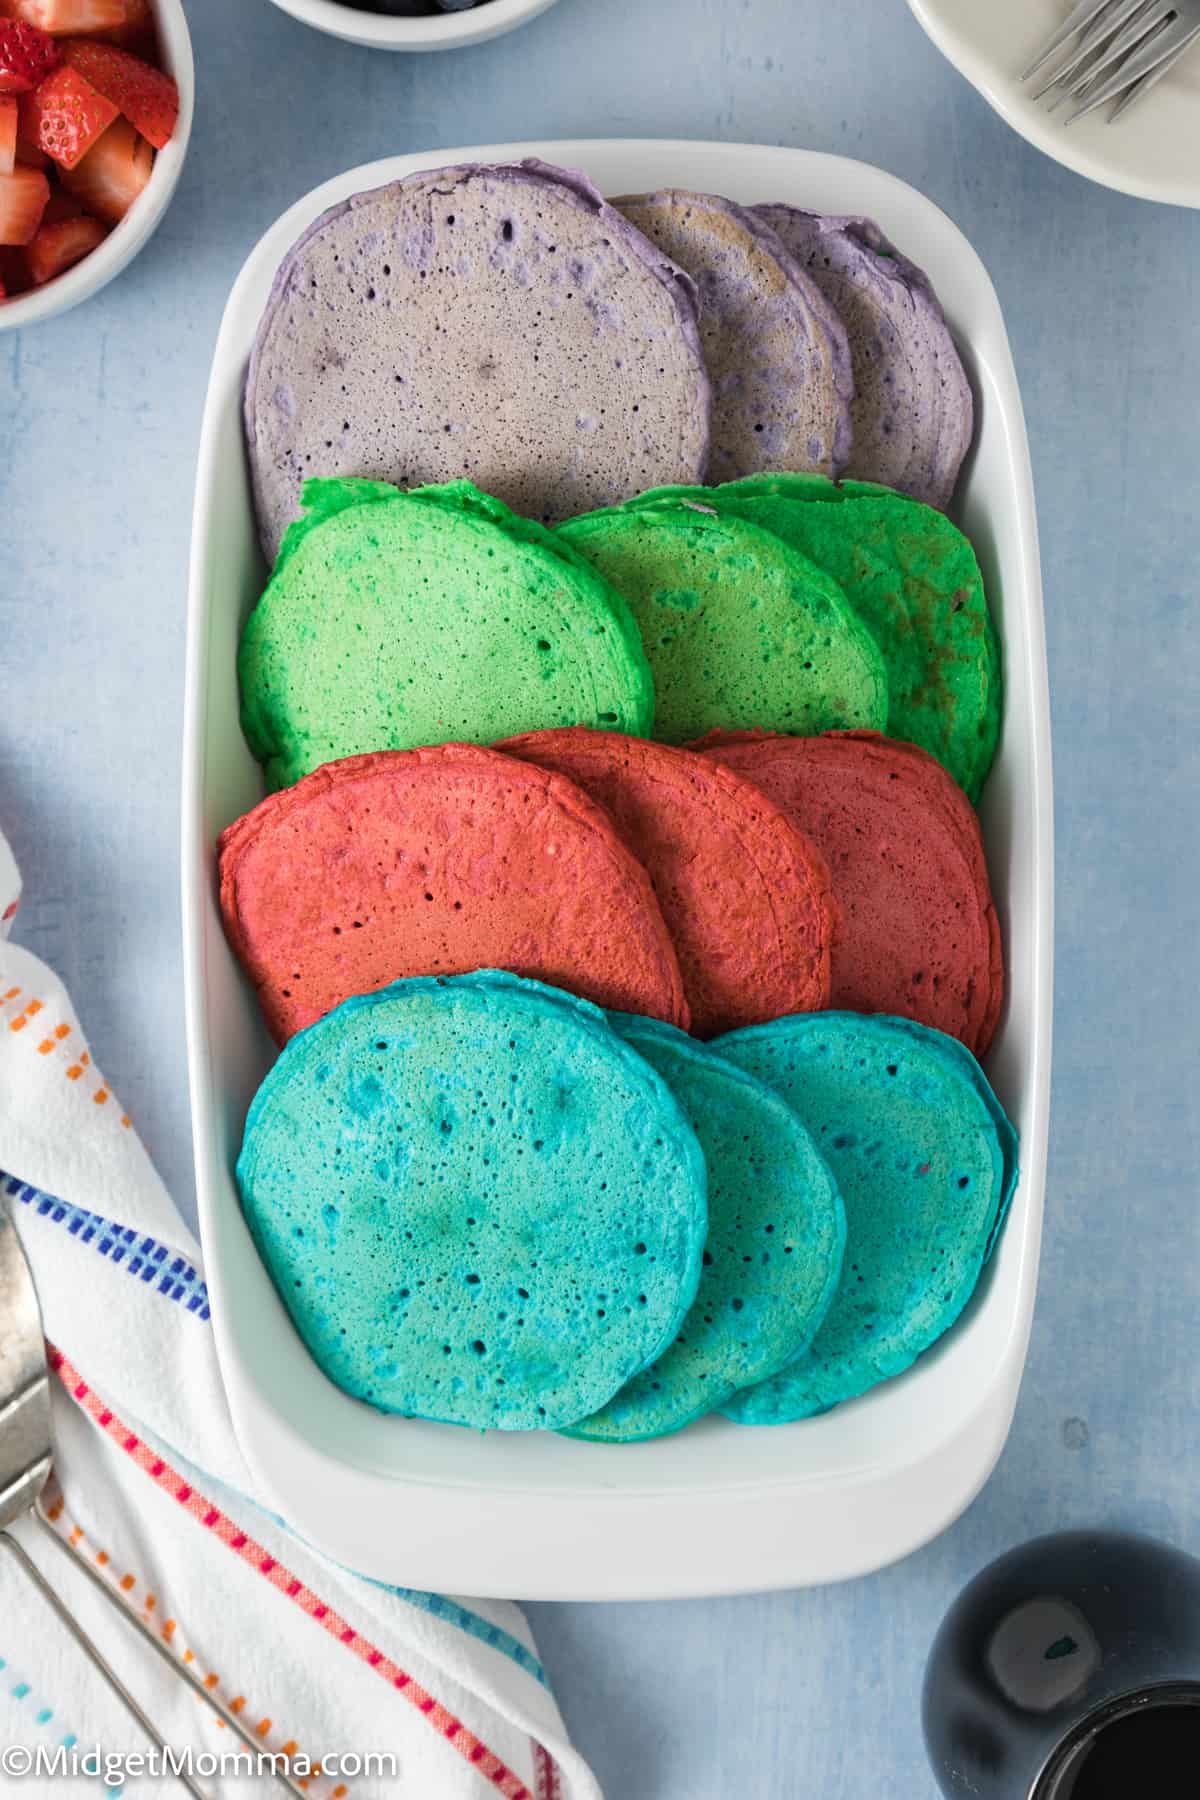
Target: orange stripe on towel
{"x": 128, "y": 1583}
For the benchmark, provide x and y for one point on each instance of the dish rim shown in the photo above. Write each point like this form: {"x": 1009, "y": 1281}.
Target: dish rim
{"x": 432, "y": 31}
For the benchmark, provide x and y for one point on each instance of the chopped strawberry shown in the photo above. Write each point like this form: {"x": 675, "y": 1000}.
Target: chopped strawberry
{"x": 28, "y": 153}
{"x": 27, "y": 56}
{"x": 63, "y": 18}
{"x": 148, "y": 98}
{"x": 113, "y": 173}
{"x": 65, "y": 116}
{"x": 8, "y": 133}
{"x": 14, "y": 271}
{"x": 139, "y": 32}
{"x": 61, "y": 205}
{"x": 57, "y": 246}
{"x": 23, "y": 197}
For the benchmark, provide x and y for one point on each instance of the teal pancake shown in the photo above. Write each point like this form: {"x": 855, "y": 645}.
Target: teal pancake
{"x": 740, "y": 630}
{"x": 926, "y": 1162}
{"x": 913, "y": 579}
{"x": 399, "y": 620}
{"x": 776, "y": 1233}
{"x": 477, "y": 1202}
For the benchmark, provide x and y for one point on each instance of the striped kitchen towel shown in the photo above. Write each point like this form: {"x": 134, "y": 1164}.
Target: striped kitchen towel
{"x": 374, "y": 1690}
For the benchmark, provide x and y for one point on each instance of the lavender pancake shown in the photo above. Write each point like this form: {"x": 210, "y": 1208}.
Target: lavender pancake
{"x": 438, "y": 862}
{"x": 500, "y": 323}
{"x": 913, "y": 411}
{"x": 917, "y": 933}
{"x": 776, "y": 350}
{"x": 745, "y": 894}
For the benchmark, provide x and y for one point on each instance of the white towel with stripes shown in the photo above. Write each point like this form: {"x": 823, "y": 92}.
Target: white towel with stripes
{"x": 370, "y": 1691}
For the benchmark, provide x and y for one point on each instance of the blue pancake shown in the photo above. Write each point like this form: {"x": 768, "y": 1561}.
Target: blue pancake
{"x": 477, "y": 1202}
{"x": 926, "y": 1161}
{"x": 776, "y": 1233}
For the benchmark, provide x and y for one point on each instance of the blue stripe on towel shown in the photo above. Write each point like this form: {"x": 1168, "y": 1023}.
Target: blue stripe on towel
{"x": 146, "y": 1260}
{"x": 140, "y": 1256}
{"x": 44, "y": 1715}
{"x": 474, "y": 1624}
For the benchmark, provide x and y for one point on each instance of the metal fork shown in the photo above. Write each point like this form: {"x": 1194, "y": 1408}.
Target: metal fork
{"x": 1121, "y": 49}
{"x": 26, "y": 1459}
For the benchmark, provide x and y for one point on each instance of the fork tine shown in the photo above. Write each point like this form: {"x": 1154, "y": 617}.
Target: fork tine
{"x": 1142, "y": 87}
{"x": 1169, "y": 42}
{"x": 1083, "y": 14}
{"x": 1137, "y": 33}
{"x": 1092, "y": 40}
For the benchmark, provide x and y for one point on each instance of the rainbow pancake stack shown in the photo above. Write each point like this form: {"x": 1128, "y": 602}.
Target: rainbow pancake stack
{"x": 618, "y": 900}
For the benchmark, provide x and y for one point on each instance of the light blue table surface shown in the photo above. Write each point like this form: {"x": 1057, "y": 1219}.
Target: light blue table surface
{"x": 812, "y": 1694}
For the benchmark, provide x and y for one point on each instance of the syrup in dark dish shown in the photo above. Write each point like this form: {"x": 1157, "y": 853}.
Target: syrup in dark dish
{"x": 1070, "y": 1670}
{"x": 1155, "y": 1750}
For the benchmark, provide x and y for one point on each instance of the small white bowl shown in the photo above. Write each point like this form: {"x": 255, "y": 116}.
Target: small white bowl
{"x": 126, "y": 239}
{"x": 440, "y": 31}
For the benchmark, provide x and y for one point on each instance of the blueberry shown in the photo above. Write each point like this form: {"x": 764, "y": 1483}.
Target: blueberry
{"x": 408, "y": 9}
{"x": 401, "y": 9}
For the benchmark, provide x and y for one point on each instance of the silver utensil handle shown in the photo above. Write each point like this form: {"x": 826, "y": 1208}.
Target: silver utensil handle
{"x": 163, "y": 1651}
{"x": 34, "y": 1574}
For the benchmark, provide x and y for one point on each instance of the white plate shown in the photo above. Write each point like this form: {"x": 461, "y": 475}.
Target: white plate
{"x": 716, "y": 1508}
{"x": 1153, "y": 152}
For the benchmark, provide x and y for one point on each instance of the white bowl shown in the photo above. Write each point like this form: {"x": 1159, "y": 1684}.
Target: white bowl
{"x": 141, "y": 221}
{"x": 715, "y": 1508}
{"x": 1151, "y": 152}
{"x": 440, "y": 31}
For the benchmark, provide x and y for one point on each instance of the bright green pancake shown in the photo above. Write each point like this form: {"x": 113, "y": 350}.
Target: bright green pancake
{"x": 776, "y": 1233}
{"x": 926, "y": 1163}
{"x": 395, "y": 620}
{"x": 740, "y": 629}
{"x": 913, "y": 579}
{"x": 477, "y": 1202}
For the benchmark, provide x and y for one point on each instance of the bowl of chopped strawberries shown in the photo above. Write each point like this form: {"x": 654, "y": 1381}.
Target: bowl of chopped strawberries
{"x": 95, "y": 112}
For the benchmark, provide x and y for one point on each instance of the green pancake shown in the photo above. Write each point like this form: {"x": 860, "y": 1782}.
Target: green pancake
{"x": 477, "y": 1202}
{"x": 394, "y": 620}
{"x": 739, "y": 629}
{"x": 776, "y": 1233}
{"x": 913, "y": 579}
{"x": 926, "y": 1162}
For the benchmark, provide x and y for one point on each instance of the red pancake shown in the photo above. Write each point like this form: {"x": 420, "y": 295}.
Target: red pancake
{"x": 745, "y": 894}
{"x": 437, "y": 862}
{"x": 918, "y": 935}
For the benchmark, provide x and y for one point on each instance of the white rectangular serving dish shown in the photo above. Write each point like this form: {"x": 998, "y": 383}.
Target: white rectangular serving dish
{"x": 717, "y": 1508}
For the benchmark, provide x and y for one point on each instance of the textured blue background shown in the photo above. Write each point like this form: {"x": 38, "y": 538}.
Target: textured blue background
{"x": 803, "y": 1694}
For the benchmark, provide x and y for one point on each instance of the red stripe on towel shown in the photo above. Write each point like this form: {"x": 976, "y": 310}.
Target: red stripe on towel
{"x": 546, "y": 1773}
{"x": 206, "y": 1514}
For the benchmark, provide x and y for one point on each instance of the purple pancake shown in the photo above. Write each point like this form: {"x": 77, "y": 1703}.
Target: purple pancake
{"x": 775, "y": 348}
{"x": 502, "y": 324}
{"x": 913, "y": 412}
